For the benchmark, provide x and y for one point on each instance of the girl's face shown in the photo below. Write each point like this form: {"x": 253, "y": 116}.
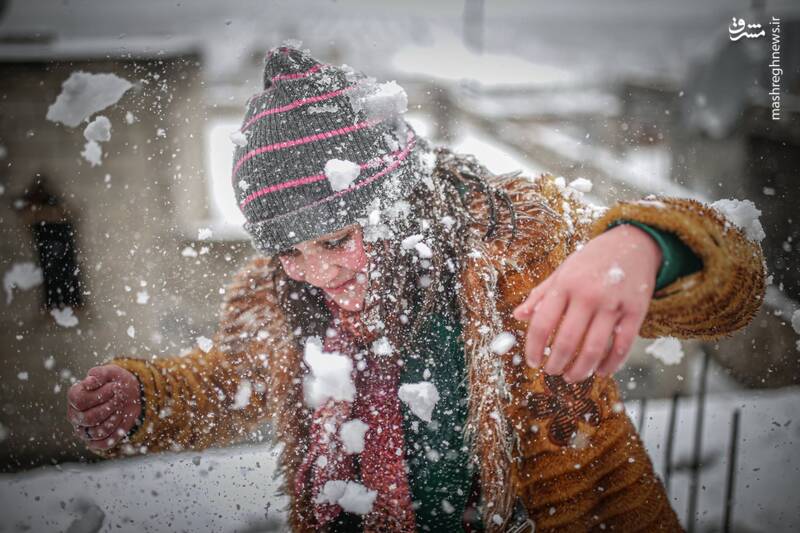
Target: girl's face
{"x": 336, "y": 263}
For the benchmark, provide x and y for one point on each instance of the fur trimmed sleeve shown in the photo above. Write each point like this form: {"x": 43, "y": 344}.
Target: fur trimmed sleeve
{"x": 211, "y": 395}
{"x": 711, "y": 303}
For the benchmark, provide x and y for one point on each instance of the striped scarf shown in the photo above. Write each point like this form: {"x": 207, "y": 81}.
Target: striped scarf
{"x": 382, "y": 462}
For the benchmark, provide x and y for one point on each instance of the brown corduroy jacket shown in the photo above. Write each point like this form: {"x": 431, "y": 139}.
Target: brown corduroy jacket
{"x": 567, "y": 453}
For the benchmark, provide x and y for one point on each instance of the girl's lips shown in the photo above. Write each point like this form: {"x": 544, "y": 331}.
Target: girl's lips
{"x": 341, "y": 287}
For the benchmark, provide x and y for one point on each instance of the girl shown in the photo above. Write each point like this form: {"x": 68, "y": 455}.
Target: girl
{"x": 434, "y": 345}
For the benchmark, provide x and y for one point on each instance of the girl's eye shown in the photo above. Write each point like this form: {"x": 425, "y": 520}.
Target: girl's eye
{"x": 289, "y": 253}
{"x": 332, "y": 245}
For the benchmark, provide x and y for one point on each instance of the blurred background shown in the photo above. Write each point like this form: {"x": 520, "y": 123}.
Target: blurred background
{"x": 638, "y": 96}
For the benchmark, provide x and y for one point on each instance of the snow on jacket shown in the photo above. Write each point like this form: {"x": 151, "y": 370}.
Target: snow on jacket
{"x": 566, "y": 453}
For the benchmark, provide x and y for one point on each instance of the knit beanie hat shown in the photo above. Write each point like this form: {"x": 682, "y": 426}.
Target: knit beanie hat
{"x": 320, "y": 148}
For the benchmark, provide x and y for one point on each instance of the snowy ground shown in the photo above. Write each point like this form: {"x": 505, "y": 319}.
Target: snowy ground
{"x": 233, "y": 490}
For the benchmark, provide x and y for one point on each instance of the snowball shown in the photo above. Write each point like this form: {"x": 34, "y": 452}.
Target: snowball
{"x": 142, "y": 297}
{"x": 131, "y": 331}
{"x": 667, "y": 350}
{"x": 447, "y": 507}
{"x": 423, "y": 250}
{"x": 743, "y": 214}
{"x": 242, "y": 397}
{"x": 615, "y": 274}
{"x": 341, "y": 173}
{"x": 83, "y": 94}
{"x": 352, "y": 497}
{"x": 64, "y": 317}
{"x": 238, "y": 138}
{"x": 420, "y": 397}
{"x": 410, "y": 242}
{"x": 352, "y": 434}
{"x": 796, "y": 321}
{"x": 204, "y": 234}
{"x": 93, "y": 153}
{"x": 98, "y": 130}
{"x": 23, "y": 276}
{"x": 581, "y": 185}
{"x": 382, "y": 346}
{"x": 502, "y": 343}
{"x": 205, "y": 343}
{"x": 189, "y": 252}
{"x": 330, "y": 375}
{"x": 378, "y": 101}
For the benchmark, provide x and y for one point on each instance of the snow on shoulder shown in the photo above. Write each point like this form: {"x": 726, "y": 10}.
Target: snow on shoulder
{"x": 330, "y": 376}
{"x": 744, "y": 215}
{"x": 83, "y": 94}
{"x": 420, "y": 397}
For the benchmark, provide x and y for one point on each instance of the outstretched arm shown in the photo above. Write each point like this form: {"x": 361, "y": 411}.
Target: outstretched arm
{"x": 214, "y": 394}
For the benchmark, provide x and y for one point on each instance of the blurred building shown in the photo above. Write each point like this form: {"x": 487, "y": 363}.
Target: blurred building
{"x": 121, "y": 238}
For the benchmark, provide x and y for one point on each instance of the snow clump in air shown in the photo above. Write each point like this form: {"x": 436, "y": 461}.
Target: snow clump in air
{"x": 204, "y": 343}
{"x": 83, "y": 94}
{"x": 796, "y": 325}
{"x": 98, "y": 130}
{"x": 503, "y": 342}
{"x": 420, "y": 397}
{"x": 352, "y": 497}
{"x": 242, "y": 397}
{"x": 239, "y": 138}
{"x": 64, "y": 317}
{"x": 667, "y": 350}
{"x": 23, "y": 276}
{"x": 92, "y": 153}
{"x": 330, "y": 376}
{"x": 352, "y": 434}
{"x": 744, "y": 215}
{"x": 341, "y": 173}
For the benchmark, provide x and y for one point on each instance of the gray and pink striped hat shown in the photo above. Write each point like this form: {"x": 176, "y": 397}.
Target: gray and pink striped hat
{"x": 320, "y": 147}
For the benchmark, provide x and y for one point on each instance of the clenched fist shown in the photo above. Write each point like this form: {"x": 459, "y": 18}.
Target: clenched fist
{"x": 104, "y": 406}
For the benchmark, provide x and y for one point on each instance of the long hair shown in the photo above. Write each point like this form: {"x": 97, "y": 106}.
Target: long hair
{"x": 405, "y": 284}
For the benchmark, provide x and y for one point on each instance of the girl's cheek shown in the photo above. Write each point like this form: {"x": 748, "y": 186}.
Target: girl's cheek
{"x": 293, "y": 269}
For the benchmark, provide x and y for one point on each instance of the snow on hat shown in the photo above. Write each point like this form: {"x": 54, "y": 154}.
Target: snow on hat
{"x": 318, "y": 148}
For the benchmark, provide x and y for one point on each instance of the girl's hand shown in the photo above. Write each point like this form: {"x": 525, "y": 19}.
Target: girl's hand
{"x": 599, "y": 293}
{"x": 104, "y": 406}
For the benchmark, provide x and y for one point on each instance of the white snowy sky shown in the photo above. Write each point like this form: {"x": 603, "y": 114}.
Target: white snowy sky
{"x": 592, "y": 37}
